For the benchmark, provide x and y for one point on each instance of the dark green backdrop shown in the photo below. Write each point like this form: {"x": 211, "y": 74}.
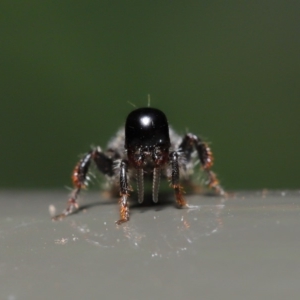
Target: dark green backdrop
{"x": 227, "y": 70}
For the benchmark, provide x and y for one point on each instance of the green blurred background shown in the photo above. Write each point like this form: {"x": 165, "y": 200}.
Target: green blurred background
{"x": 226, "y": 70}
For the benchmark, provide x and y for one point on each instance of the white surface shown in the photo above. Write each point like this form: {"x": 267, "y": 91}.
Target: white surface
{"x": 245, "y": 247}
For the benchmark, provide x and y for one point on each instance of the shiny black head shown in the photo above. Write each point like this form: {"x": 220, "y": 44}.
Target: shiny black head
{"x": 147, "y": 128}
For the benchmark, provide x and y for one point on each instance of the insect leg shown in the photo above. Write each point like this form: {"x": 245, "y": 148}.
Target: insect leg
{"x": 80, "y": 178}
{"x": 124, "y": 193}
{"x": 191, "y": 141}
{"x": 140, "y": 184}
{"x": 175, "y": 179}
{"x": 155, "y": 184}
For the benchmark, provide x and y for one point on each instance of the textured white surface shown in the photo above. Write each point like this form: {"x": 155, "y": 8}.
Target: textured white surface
{"x": 245, "y": 247}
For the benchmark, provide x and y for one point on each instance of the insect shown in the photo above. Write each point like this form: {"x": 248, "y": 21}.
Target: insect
{"x": 147, "y": 145}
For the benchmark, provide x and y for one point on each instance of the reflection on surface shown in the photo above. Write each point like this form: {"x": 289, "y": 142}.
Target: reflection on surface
{"x": 159, "y": 233}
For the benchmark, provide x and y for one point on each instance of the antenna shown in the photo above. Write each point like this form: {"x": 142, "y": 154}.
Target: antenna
{"x": 131, "y": 104}
{"x": 149, "y": 100}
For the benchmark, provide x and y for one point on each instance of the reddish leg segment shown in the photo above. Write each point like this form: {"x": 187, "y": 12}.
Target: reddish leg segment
{"x": 191, "y": 142}
{"x": 124, "y": 193}
{"x": 80, "y": 178}
{"x": 178, "y": 189}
